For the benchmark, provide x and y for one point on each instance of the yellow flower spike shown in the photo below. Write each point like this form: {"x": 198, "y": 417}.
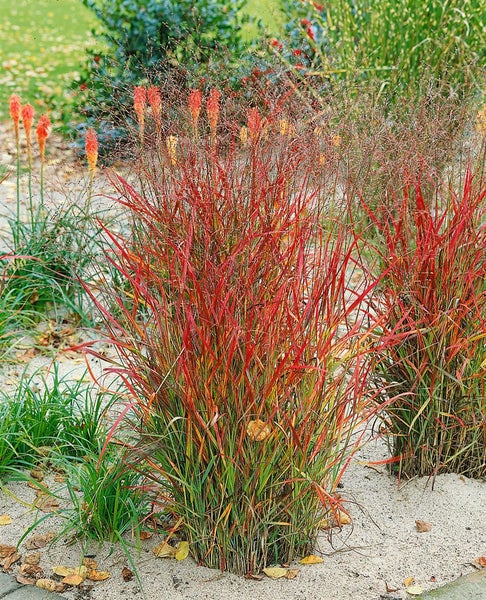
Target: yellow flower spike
{"x": 171, "y": 143}
{"x": 244, "y": 135}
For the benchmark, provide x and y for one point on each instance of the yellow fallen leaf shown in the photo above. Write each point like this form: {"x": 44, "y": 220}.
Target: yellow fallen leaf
{"x": 182, "y": 551}
{"x": 275, "y": 572}
{"x": 258, "y": 430}
{"x": 47, "y": 584}
{"x": 63, "y": 571}
{"x": 312, "y": 559}
{"x": 164, "y": 550}
{"x": 99, "y": 575}
{"x": 90, "y": 564}
{"x": 414, "y": 590}
{"x": 343, "y": 518}
{"x": 409, "y": 581}
{"x": 5, "y": 520}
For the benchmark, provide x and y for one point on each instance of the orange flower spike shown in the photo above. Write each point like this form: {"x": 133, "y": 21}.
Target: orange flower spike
{"x": 27, "y": 120}
{"x": 153, "y": 96}
{"x": 139, "y": 102}
{"x": 195, "y": 102}
{"x": 213, "y": 111}
{"x": 91, "y": 146}
{"x": 254, "y": 124}
{"x": 42, "y": 133}
{"x": 15, "y": 109}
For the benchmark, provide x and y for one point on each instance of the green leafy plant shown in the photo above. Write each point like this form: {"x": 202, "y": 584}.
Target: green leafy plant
{"x": 406, "y": 45}
{"x": 50, "y": 413}
{"x": 241, "y": 342}
{"x": 434, "y": 305}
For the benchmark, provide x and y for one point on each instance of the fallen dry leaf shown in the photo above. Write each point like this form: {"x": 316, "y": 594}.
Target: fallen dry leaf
{"x": 481, "y": 561}
{"x": 292, "y": 573}
{"x": 389, "y": 589}
{"x": 24, "y": 580}
{"x": 62, "y": 571}
{"x": 10, "y": 560}
{"x": 414, "y": 590}
{"x": 275, "y": 572}
{"x": 99, "y": 575}
{"x": 30, "y": 570}
{"x": 312, "y": 559}
{"x": 90, "y": 564}
{"x": 146, "y": 535}
{"x": 258, "y": 430}
{"x": 33, "y": 558}
{"x": 46, "y": 503}
{"x": 40, "y": 540}
{"x": 5, "y": 520}
{"x": 59, "y": 478}
{"x": 409, "y": 581}
{"x": 50, "y": 585}
{"x": 6, "y": 550}
{"x": 164, "y": 550}
{"x": 182, "y": 551}
{"x": 422, "y": 526}
{"x": 254, "y": 577}
{"x": 37, "y": 474}
{"x": 126, "y": 574}
{"x": 336, "y": 519}
{"x": 73, "y": 580}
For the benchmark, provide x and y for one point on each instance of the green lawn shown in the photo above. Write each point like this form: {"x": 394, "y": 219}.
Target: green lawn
{"x": 43, "y": 42}
{"x": 42, "y": 46}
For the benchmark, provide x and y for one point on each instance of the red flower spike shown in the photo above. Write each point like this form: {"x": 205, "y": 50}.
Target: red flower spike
{"x": 195, "y": 102}
{"x": 153, "y": 96}
{"x": 139, "y": 102}
{"x": 254, "y": 124}
{"x": 91, "y": 146}
{"x": 213, "y": 111}
{"x": 27, "y": 119}
{"x": 42, "y": 133}
{"x": 15, "y": 108}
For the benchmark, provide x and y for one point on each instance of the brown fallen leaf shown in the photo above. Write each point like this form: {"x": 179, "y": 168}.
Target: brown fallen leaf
{"x": 33, "y": 558}
{"x": 73, "y": 580}
{"x": 25, "y": 580}
{"x": 164, "y": 550}
{"x": 5, "y": 520}
{"x": 479, "y": 563}
{"x": 126, "y": 574}
{"x": 254, "y": 577}
{"x": 98, "y": 575}
{"x": 30, "y": 570}
{"x": 145, "y": 535}
{"x": 258, "y": 430}
{"x": 6, "y": 550}
{"x": 312, "y": 559}
{"x": 182, "y": 551}
{"x": 10, "y": 560}
{"x": 292, "y": 573}
{"x": 46, "y": 503}
{"x": 389, "y": 589}
{"x": 40, "y": 540}
{"x": 90, "y": 564}
{"x": 275, "y": 572}
{"x": 37, "y": 474}
{"x": 59, "y": 478}
{"x": 422, "y": 526}
{"x": 50, "y": 585}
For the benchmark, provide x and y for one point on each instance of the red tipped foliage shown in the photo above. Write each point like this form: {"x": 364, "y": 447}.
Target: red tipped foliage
{"x": 243, "y": 347}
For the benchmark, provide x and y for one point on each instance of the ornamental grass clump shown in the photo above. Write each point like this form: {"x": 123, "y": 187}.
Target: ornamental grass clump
{"x": 434, "y": 303}
{"x": 244, "y": 350}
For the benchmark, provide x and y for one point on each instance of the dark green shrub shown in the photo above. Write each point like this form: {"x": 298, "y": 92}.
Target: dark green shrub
{"x": 156, "y": 40}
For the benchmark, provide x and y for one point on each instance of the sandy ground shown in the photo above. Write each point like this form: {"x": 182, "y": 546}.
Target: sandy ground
{"x": 367, "y": 560}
